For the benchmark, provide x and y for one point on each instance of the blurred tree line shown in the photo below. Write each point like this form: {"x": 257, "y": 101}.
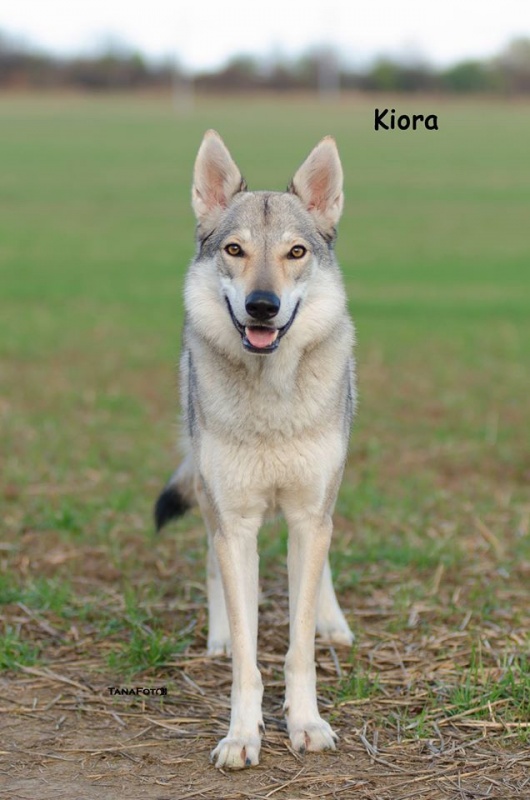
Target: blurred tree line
{"x": 117, "y": 67}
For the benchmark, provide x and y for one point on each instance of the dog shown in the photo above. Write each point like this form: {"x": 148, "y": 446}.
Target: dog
{"x": 268, "y": 395}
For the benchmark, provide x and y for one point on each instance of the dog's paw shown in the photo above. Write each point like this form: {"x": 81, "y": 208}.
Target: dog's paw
{"x": 336, "y": 634}
{"x": 313, "y": 737}
{"x": 236, "y": 752}
{"x": 219, "y": 647}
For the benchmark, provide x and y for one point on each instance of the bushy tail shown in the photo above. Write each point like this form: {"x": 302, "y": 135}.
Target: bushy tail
{"x": 178, "y": 496}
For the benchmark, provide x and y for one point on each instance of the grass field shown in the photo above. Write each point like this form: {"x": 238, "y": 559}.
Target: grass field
{"x": 432, "y": 544}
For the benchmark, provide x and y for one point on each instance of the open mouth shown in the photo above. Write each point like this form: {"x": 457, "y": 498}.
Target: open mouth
{"x": 262, "y": 339}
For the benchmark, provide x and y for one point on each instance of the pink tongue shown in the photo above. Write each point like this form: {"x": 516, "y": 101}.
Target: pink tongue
{"x": 261, "y": 337}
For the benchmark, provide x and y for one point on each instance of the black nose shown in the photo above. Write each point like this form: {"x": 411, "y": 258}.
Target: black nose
{"x": 262, "y": 305}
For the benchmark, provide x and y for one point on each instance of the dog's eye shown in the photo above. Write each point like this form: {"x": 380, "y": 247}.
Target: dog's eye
{"x": 298, "y": 251}
{"x": 233, "y": 249}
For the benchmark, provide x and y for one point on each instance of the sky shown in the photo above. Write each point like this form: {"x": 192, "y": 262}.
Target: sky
{"x": 204, "y": 34}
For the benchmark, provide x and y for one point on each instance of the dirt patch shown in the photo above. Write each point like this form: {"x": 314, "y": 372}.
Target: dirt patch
{"x": 65, "y": 736}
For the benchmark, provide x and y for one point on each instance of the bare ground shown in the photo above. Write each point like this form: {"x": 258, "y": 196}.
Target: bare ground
{"x": 64, "y": 736}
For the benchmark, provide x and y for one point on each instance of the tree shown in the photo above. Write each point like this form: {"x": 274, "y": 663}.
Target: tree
{"x": 513, "y": 65}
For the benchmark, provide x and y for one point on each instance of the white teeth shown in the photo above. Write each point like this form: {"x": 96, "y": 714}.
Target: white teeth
{"x": 266, "y": 329}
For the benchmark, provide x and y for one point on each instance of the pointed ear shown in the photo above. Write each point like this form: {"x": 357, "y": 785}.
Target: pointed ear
{"x": 318, "y": 184}
{"x": 216, "y": 179}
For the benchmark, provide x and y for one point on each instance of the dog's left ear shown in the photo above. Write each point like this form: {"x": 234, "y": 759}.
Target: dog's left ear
{"x": 318, "y": 184}
{"x": 216, "y": 179}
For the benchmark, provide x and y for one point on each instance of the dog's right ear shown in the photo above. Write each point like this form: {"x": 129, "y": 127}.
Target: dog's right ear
{"x": 216, "y": 179}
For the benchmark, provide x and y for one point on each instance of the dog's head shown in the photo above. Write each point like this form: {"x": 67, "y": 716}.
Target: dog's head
{"x": 264, "y": 247}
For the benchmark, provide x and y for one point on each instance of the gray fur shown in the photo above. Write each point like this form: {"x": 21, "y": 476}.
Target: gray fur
{"x": 267, "y": 431}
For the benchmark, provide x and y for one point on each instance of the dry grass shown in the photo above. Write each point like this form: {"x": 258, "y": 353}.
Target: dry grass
{"x": 399, "y": 736}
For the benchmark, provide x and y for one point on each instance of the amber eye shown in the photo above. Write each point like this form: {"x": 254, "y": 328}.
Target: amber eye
{"x": 298, "y": 251}
{"x": 233, "y": 249}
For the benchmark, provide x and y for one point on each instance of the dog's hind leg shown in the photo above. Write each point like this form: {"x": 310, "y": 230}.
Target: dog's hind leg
{"x": 331, "y": 622}
{"x": 218, "y": 626}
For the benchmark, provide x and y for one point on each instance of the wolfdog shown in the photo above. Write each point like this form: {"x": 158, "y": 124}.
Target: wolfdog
{"x": 267, "y": 389}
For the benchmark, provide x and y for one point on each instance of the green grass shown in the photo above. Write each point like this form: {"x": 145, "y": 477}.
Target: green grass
{"x": 512, "y": 688}
{"x": 144, "y": 650}
{"x": 481, "y": 693}
{"x": 95, "y": 236}
{"x": 15, "y": 651}
{"x": 356, "y": 685}
{"x": 40, "y": 594}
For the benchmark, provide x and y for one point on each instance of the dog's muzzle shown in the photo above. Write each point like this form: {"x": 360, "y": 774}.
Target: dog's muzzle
{"x": 262, "y": 339}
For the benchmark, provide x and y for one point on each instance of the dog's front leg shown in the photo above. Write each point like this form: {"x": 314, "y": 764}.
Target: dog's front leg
{"x": 235, "y": 543}
{"x": 309, "y": 539}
